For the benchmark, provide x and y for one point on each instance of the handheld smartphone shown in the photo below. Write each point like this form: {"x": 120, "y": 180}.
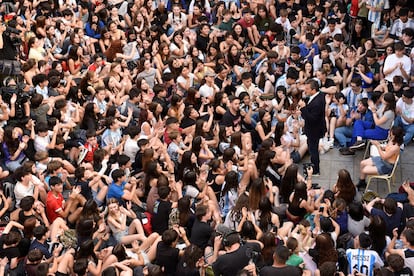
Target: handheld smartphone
{"x": 321, "y": 209}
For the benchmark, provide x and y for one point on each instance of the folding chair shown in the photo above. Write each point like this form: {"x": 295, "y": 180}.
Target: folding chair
{"x": 371, "y": 150}
{"x": 387, "y": 177}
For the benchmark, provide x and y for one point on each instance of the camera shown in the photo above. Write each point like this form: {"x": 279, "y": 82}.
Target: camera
{"x": 305, "y": 168}
{"x": 10, "y": 30}
{"x": 15, "y": 40}
{"x": 253, "y": 255}
{"x": 22, "y": 96}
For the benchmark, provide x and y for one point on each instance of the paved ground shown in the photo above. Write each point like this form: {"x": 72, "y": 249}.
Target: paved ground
{"x": 332, "y": 162}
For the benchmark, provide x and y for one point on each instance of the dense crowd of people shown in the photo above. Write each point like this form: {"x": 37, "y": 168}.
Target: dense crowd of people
{"x": 164, "y": 137}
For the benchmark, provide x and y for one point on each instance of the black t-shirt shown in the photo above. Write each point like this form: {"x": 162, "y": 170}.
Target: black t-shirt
{"x": 231, "y": 120}
{"x": 408, "y": 212}
{"x": 375, "y": 68}
{"x": 161, "y": 213}
{"x": 397, "y": 93}
{"x": 164, "y": 105}
{"x": 31, "y": 269}
{"x": 230, "y": 263}
{"x": 184, "y": 270}
{"x": 200, "y": 234}
{"x": 298, "y": 63}
{"x": 167, "y": 257}
{"x": 404, "y": 272}
{"x": 293, "y": 10}
{"x": 23, "y": 217}
{"x": 137, "y": 166}
{"x": 219, "y": 82}
{"x": 9, "y": 51}
{"x": 282, "y": 271}
{"x": 408, "y": 47}
{"x": 85, "y": 189}
{"x": 187, "y": 122}
{"x": 10, "y": 253}
{"x": 307, "y": 14}
{"x": 328, "y": 83}
{"x": 57, "y": 153}
{"x": 202, "y": 43}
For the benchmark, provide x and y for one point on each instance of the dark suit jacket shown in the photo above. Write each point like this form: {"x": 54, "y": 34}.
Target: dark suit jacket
{"x": 314, "y": 115}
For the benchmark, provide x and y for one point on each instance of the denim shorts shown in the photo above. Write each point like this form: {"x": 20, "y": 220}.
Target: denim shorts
{"x": 383, "y": 167}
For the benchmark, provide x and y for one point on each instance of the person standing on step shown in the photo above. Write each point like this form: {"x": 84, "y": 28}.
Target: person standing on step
{"x": 313, "y": 112}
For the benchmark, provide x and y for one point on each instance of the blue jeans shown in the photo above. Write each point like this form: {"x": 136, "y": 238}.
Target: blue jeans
{"x": 344, "y": 135}
{"x": 364, "y": 129}
{"x": 409, "y": 129}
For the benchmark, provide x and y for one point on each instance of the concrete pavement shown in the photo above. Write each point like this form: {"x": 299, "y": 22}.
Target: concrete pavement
{"x": 333, "y": 161}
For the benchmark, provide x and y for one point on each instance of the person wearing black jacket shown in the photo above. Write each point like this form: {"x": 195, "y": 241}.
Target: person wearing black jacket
{"x": 313, "y": 112}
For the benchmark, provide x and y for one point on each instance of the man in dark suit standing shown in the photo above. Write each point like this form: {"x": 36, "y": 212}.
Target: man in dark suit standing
{"x": 313, "y": 112}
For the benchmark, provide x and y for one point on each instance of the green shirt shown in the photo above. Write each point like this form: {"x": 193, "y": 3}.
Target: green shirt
{"x": 226, "y": 26}
{"x": 294, "y": 260}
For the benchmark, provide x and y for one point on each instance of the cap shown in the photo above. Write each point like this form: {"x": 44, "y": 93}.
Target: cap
{"x": 223, "y": 230}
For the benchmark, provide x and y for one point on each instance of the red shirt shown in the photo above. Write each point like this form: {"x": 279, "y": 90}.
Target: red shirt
{"x": 246, "y": 24}
{"x": 167, "y": 139}
{"x": 53, "y": 206}
{"x": 91, "y": 150}
{"x": 354, "y": 8}
{"x": 93, "y": 67}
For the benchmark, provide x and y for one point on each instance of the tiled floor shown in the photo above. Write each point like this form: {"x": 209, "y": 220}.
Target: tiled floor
{"x": 333, "y": 161}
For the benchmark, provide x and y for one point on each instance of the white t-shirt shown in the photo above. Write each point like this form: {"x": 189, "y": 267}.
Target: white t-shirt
{"x": 406, "y": 109}
{"x": 207, "y": 91}
{"x": 241, "y": 88}
{"x": 182, "y": 80}
{"x": 40, "y": 143}
{"x": 131, "y": 148}
{"x": 177, "y": 21}
{"x": 326, "y": 30}
{"x": 391, "y": 61}
{"x": 174, "y": 47}
{"x": 286, "y": 25}
{"x": 20, "y": 191}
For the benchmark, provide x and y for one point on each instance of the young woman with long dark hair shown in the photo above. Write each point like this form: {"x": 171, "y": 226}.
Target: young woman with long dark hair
{"x": 344, "y": 187}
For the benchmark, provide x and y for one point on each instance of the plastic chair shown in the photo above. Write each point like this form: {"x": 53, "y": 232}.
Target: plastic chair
{"x": 387, "y": 177}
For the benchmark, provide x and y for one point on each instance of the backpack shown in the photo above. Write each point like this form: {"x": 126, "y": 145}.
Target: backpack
{"x": 69, "y": 239}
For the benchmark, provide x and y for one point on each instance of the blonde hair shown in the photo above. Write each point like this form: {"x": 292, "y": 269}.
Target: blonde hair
{"x": 41, "y": 155}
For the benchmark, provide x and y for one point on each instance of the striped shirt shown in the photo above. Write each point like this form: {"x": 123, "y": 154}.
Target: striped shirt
{"x": 363, "y": 260}
{"x": 399, "y": 26}
{"x": 353, "y": 98}
{"x": 375, "y": 16}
